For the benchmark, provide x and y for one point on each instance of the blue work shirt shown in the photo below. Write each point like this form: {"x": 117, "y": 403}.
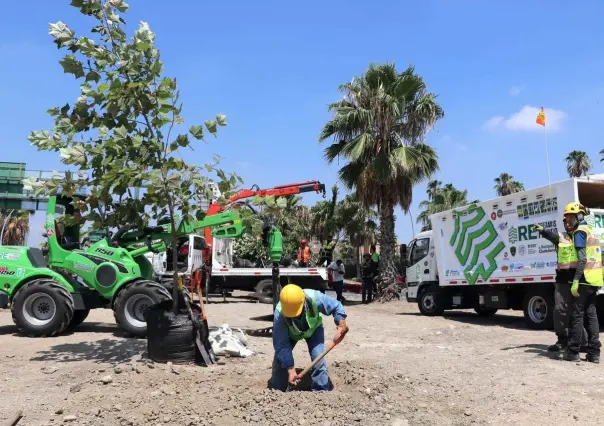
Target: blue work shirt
{"x": 282, "y": 343}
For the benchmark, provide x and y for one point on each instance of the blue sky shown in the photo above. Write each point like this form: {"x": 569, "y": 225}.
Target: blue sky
{"x": 273, "y": 66}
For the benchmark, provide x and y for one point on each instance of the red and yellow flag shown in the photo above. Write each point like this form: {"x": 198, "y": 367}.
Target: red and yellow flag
{"x": 541, "y": 117}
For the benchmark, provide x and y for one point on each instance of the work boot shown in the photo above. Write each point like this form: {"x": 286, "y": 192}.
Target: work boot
{"x": 568, "y": 356}
{"x": 559, "y": 346}
{"x": 593, "y": 358}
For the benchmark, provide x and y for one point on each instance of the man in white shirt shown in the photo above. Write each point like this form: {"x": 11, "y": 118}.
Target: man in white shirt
{"x": 337, "y": 272}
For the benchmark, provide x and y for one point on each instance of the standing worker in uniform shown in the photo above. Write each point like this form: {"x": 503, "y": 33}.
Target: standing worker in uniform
{"x": 337, "y": 272}
{"x": 298, "y": 317}
{"x": 303, "y": 254}
{"x": 586, "y": 283}
{"x": 565, "y": 273}
{"x": 368, "y": 273}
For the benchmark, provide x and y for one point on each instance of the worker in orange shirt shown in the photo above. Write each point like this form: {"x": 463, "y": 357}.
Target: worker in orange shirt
{"x": 303, "y": 254}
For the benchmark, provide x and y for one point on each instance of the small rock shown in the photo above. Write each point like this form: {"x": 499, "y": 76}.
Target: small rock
{"x": 101, "y": 370}
{"x": 106, "y": 380}
{"x": 167, "y": 419}
{"x": 172, "y": 368}
{"x": 117, "y": 407}
{"x": 70, "y": 418}
{"x": 318, "y": 414}
{"x": 59, "y": 411}
{"x": 10, "y": 356}
{"x": 301, "y": 422}
{"x": 150, "y": 364}
{"x": 387, "y": 416}
{"x": 49, "y": 370}
{"x": 155, "y": 393}
{"x": 117, "y": 369}
{"x": 75, "y": 388}
{"x": 368, "y": 391}
{"x": 467, "y": 413}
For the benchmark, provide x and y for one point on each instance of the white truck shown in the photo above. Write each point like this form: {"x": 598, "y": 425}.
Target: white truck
{"x": 225, "y": 277}
{"x": 486, "y": 256}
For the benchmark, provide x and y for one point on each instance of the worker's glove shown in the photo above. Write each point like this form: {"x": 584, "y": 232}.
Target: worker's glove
{"x": 574, "y": 289}
{"x": 292, "y": 378}
{"x": 538, "y": 228}
{"x": 340, "y": 332}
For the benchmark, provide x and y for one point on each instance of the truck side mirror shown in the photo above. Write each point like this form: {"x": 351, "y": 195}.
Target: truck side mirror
{"x": 403, "y": 253}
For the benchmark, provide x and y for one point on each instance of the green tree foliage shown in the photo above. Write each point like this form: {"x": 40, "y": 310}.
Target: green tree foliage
{"x": 324, "y": 224}
{"x": 358, "y": 223}
{"x": 378, "y": 129}
{"x": 121, "y": 132}
{"x": 506, "y": 185}
{"x": 440, "y": 199}
{"x": 578, "y": 164}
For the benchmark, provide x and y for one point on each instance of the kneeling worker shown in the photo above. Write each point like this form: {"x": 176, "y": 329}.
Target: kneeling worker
{"x": 298, "y": 317}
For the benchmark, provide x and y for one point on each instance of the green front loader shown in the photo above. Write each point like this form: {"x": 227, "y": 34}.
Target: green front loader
{"x": 48, "y": 297}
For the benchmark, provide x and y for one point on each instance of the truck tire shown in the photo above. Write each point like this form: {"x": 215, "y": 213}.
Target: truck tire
{"x": 42, "y": 308}
{"x": 132, "y": 303}
{"x": 538, "y": 307}
{"x": 430, "y": 301}
{"x": 264, "y": 291}
{"x": 78, "y": 318}
{"x": 485, "y": 312}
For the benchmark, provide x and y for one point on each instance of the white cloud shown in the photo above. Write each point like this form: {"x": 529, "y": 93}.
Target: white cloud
{"x": 515, "y": 90}
{"x": 524, "y": 120}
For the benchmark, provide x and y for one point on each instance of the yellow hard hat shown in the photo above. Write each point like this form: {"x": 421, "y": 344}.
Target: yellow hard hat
{"x": 292, "y": 301}
{"x": 574, "y": 208}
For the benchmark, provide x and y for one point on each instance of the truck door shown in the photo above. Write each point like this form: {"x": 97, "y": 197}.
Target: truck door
{"x": 196, "y": 255}
{"x": 419, "y": 265}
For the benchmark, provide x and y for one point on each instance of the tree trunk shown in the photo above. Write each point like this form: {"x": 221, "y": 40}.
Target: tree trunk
{"x": 387, "y": 271}
{"x": 174, "y": 248}
{"x": 357, "y": 259}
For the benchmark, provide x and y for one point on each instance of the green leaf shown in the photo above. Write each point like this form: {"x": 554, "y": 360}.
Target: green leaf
{"x": 102, "y": 87}
{"x": 120, "y": 5}
{"x": 166, "y": 108}
{"x": 120, "y": 134}
{"x": 62, "y": 34}
{"x": 141, "y": 47}
{"x": 53, "y": 111}
{"x": 221, "y": 119}
{"x": 282, "y": 202}
{"x": 211, "y": 126}
{"x": 137, "y": 141}
{"x": 196, "y": 132}
{"x": 72, "y": 66}
{"x": 93, "y": 76}
{"x": 65, "y": 109}
{"x": 182, "y": 140}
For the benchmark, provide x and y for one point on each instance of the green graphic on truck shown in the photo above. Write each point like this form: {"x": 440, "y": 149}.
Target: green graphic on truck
{"x": 476, "y": 247}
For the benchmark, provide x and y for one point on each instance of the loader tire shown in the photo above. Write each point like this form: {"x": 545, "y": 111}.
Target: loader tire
{"x": 42, "y": 308}
{"x": 78, "y": 318}
{"x": 132, "y": 302}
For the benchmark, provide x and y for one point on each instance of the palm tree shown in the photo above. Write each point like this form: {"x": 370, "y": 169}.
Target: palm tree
{"x": 506, "y": 185}
{"x": 16, "y": 227}
{"x": 440, "y": 199}
{"x": 323, "y": 224}
{"x": 378, "y": 128}
{"x": 577, "y": 164}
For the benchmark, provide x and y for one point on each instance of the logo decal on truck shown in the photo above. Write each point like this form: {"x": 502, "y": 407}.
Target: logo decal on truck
{"x": 476, "y": 243}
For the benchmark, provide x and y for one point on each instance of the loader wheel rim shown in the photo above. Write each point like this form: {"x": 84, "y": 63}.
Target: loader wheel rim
{"x": 135, "y": 309}
{"x": 39, "y": 309}
{"x": 537, "y": 309}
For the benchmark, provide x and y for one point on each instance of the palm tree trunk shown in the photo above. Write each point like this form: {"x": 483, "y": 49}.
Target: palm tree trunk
{"x": 387, "y": 277}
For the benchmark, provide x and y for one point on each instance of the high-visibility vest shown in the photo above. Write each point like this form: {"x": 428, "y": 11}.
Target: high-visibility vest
{"x": 593, "y": 267}
{"x": 312, "y": 314}
{"x": 304, "y": 254}
{"x": 375, "y": 257}
{"x": 567, "y": 253}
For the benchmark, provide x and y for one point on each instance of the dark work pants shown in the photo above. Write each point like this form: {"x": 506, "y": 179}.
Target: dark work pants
{"x": 584, "y": 313}
{"x": 367, "y": 290}
{"x": 338, "y": 286}
{"x": 562, "y": 311}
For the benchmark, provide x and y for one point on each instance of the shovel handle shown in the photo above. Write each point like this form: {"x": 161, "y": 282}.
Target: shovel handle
{"x": 316, "y": 360}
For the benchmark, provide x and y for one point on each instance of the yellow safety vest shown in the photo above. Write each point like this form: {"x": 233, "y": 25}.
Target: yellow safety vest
{"x": 593, "y": 267}
{"x": 567, "y": 254}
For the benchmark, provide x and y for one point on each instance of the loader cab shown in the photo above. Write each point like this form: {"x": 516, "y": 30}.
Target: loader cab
{"x": 419, "y": 262}
{"x": 63, "y": 223}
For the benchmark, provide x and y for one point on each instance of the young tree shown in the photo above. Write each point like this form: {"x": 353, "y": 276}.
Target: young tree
{"x": 121, "y": 131}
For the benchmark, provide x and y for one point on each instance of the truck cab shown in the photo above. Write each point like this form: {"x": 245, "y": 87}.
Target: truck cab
{"x": 419, "y": 261}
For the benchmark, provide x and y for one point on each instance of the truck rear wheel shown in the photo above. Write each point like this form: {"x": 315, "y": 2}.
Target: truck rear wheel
{"x": 42, "y": 308}
{"x": 430, "y": 301}
{"x": 132, "y": 303}
{"x": 538, "y": 307}
{"x": 264, "y": 291}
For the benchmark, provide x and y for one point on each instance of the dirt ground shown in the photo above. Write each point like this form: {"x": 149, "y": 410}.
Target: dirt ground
{"x": 394, "y": 368}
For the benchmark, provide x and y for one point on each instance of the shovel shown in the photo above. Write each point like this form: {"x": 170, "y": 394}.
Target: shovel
{"x": 310, "y": 367}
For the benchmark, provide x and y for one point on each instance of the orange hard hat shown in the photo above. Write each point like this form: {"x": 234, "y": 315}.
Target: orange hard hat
{"x": 302, "y": 241}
